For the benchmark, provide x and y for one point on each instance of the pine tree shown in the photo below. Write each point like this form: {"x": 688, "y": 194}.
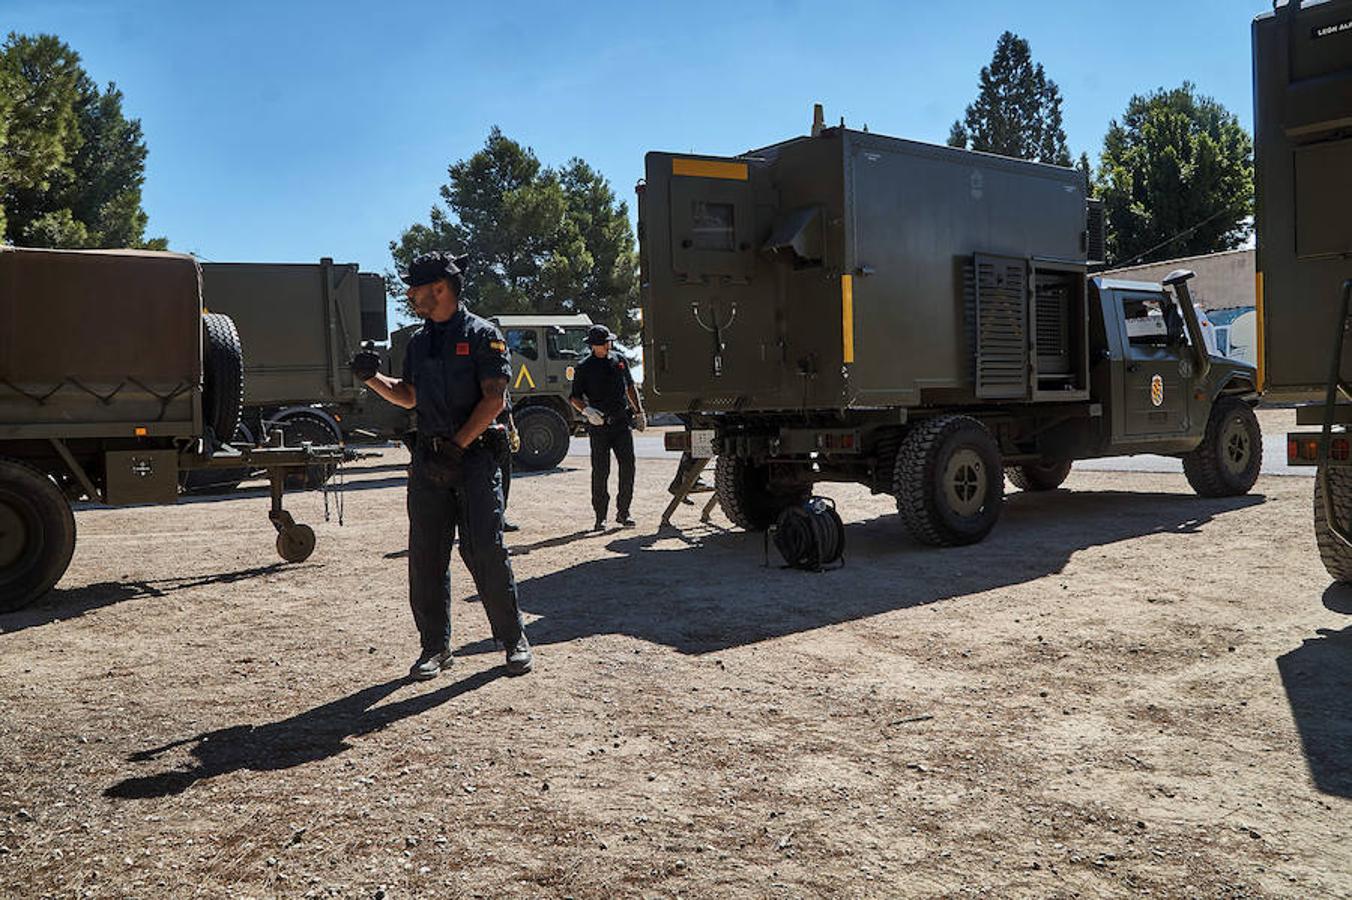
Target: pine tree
{"x": 1017, "y": 111}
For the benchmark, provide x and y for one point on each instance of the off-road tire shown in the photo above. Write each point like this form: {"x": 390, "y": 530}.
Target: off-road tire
{"x": 544, "y": 438}
{"x": 1044, "y": 477}
{"x": 743, "y": 490}
{"x": 302, "y": 427}
{"x": 1227, "y": 462}
{"x": 222, "y": 376}
{"x": 956, "y": 449}
{"x": 1336, "y": 555}
{"x": 217, "y": 481}
{"x": 37, "y": 534}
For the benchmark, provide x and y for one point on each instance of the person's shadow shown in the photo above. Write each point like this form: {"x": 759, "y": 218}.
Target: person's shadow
{"x": 307, "y": 737}
{"x": 1317, "y": 677}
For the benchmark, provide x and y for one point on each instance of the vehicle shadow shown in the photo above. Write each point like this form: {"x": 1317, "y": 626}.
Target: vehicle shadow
{"x": 1317, "y": 677}
{"x": 709, "y": 589}
{"x": 306, "y": 737}
{"x": 61, "y": 603}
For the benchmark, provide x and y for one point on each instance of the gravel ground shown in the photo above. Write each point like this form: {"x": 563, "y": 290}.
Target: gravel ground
{"x": 1125, "y": 690}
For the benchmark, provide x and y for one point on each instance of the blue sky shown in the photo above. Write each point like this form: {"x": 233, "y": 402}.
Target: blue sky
{"x": 287, "y": 131}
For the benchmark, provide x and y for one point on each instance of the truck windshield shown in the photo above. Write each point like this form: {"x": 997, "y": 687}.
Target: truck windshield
{"x": 524, "y": 341}
{"x": 570, "y": 344}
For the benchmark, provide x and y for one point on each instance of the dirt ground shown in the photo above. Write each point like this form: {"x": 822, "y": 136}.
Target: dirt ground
{"x": 1125, "y": 690}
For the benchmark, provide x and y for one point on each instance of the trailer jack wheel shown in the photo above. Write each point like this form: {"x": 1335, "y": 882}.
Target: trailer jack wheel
{"x": 295, "y": 543}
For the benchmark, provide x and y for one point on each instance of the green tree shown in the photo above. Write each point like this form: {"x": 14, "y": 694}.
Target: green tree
{"x": 539, "y": 240}
{"x": 1017, "y": 111}
{"x": 1176, "y": 178}
{"x": 71, "y": 164}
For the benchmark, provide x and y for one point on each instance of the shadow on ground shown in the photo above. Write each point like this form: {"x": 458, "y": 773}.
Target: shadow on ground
{"x": 70, "y": 603}
{"x": 706, "y": 588}
{"x": 1317, "y": 677}
{"x": 307, "y": 737}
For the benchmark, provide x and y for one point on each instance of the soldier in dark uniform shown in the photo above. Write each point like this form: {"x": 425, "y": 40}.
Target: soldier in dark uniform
{"x": 455, "y": 376}
{"x": 604, "y": 392}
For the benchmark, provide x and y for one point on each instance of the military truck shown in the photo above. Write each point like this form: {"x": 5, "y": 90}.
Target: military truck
{"x": 545, "y": 351}
{"x": 846, "y": 306}
{"x": 302, "y": 322}
{"x": 112, "y": 383}
{"x": 1302, "y": 91}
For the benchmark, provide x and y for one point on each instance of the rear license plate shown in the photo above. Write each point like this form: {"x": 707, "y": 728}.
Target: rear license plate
{"x": 702, "y": 444}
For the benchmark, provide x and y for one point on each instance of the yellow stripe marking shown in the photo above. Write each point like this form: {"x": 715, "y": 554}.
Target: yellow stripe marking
{"x": 1258, "y": 339}
{"x": 709, "y": 168}
{"x": 524, "y": 374}
{"x": 847, "y": 317}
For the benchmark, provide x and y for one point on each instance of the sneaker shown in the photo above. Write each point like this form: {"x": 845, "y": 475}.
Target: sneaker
{"x": 519, "y": 658}
{"x": 429, "y": 665}
{"x": 624, "y": 521}
{"x": 510, "y": 526}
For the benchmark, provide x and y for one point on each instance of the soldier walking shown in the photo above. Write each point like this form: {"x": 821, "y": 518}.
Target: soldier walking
{"x": 604, "y": 392}
{"x": 455, "y": 377}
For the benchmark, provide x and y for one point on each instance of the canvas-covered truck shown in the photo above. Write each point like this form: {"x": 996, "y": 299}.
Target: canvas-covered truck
{"x": 112, "y": 383}
{"x": 846, "y": 306}
{"x": 302, "y": 322}
{"x": 1302, "y": 91}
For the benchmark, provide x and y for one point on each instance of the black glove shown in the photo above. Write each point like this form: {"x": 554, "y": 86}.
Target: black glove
{"x": 443, "y": 465}
{"x": 365, "y": 364}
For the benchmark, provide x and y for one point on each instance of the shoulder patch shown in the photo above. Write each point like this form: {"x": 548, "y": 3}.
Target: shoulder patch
{"x": 498, "y": 346}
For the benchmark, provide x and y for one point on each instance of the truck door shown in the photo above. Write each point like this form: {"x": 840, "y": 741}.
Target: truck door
{"x": 1153, "y": 394}
{"x": 527, "y": 369}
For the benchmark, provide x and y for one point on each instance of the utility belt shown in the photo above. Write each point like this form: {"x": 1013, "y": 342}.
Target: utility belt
{"x": 494, "y": 439}
{"x": 626, "y": 419}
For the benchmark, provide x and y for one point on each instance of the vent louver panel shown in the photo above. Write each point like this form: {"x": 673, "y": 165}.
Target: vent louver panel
{"x": 1001, "y": 304}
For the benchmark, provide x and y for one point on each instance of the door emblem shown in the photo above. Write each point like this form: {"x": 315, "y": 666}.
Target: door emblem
{"x": 1157, "y": 390}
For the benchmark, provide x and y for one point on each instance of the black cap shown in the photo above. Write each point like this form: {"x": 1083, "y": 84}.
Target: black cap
{"x": 430, "y": 267}
{"x": 599, "y": 334}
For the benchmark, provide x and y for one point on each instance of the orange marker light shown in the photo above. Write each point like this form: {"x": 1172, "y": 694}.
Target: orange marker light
{"x": 142, "y": 431}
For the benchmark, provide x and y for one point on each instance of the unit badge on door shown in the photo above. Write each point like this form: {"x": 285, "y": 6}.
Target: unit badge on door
{"x": 1157, "y": 390}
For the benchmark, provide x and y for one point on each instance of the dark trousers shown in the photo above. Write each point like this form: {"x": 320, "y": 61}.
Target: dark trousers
{"x": 474, "y": 507}
{"x": 607, "y": 439}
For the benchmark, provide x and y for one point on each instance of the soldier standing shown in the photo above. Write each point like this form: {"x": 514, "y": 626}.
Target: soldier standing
{"x": 604, "y": 392}
{"x": 455, "y": 376}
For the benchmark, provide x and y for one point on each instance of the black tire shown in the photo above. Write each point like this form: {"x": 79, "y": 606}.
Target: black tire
{"x": 1041, "y": 477}
{"x": 948, "y": 481}
{"x": 1227, "y": 462}
{"x": 222, "y": 375}
{"x": 217, "y": 481}
{"x": 544, "y": 438}
{"x": 37, "y": 534}
{"x": 299, "y": 428}
{"x": 743, "y": 490}
{"x": 1336, "y": 555}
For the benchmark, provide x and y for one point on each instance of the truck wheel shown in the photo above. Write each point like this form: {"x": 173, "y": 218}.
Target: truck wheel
{"x": 1336, "y": 555}
{"x": 544, "y": 438}
{"x": 744, "y": 492}
{"x": 37, "y": 534}
{"x": 223, "y": 375}
{"x": 217, "y": 481}
{"x": 296, "y": 430}
{"x": 1227, "y": 462}
{"x": 948, "y": 481}
{"x": 1045, "y": 477}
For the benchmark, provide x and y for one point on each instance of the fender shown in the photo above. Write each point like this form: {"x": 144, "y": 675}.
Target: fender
{"x": 290, "y": 412}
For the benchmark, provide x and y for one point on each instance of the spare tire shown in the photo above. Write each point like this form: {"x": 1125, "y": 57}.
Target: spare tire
{"x": 222, "y": 377}
{"x": 37, "y": 534}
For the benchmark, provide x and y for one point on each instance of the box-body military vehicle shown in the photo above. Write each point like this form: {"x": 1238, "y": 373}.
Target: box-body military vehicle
{"x": 301, "y": 322}
{"x": 1302, "y": 90}
{"x": 113, "y": 382}
{"x": 847, "y": 306}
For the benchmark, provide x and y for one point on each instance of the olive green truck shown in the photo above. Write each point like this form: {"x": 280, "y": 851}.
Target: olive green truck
{"x": 113, "y": 384}
{"x": 1302, "y": 91}
{"x": 846, "y": 306}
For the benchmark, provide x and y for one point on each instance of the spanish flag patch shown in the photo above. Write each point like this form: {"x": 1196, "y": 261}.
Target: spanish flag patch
{"x": 498, "y": 346}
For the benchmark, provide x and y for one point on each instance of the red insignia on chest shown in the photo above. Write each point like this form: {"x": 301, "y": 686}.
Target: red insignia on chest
{"x": 462, "y": 348}
{"x": 621, "y": 365}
